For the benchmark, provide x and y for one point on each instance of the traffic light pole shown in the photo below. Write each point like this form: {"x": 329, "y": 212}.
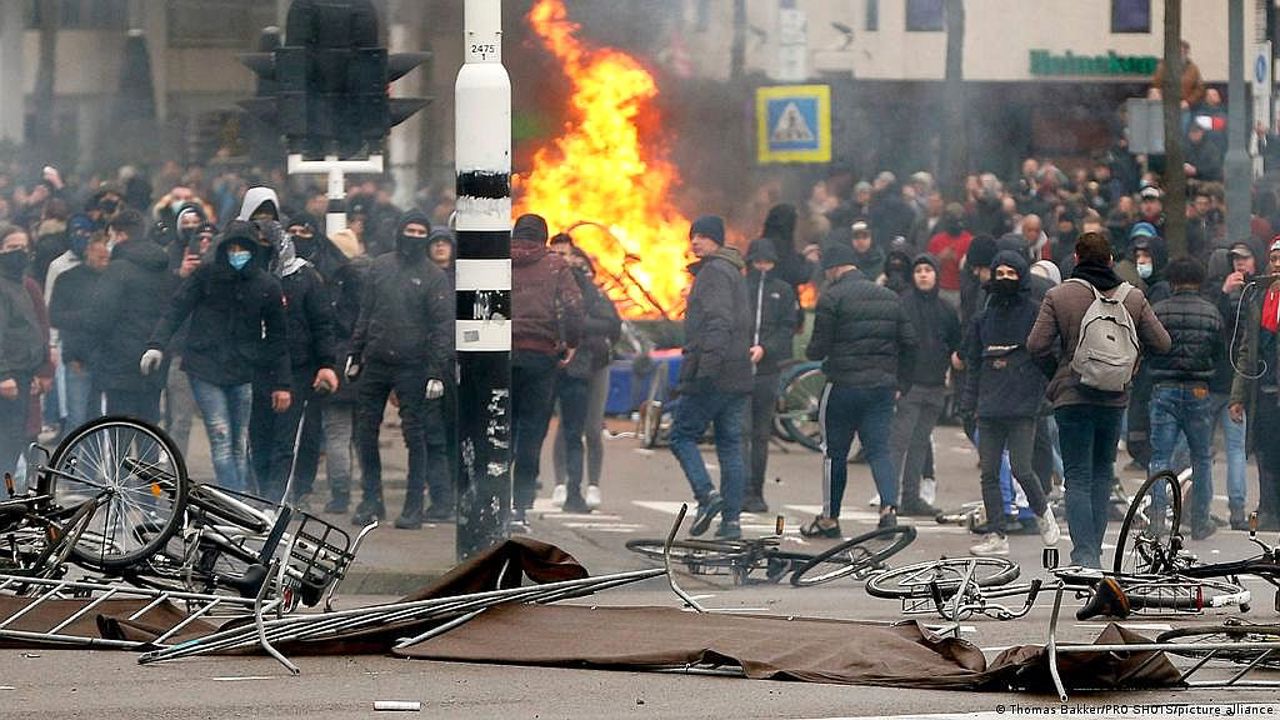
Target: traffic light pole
{"x": 482, "y": 146}
{"x": 336, "y": 170}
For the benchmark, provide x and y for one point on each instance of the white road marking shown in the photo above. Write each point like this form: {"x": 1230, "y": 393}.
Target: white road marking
{"x": 241, "y": 678}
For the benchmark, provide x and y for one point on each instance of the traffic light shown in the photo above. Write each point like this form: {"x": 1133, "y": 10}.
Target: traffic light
{"x": 330, "y": 81}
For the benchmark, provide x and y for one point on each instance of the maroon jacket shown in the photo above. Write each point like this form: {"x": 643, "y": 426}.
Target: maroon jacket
{"x": 545, "y": 300}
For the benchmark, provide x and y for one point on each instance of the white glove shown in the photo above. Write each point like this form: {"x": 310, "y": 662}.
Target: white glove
{"x": 435, "y": 389}
{"x": 151, "y": 361}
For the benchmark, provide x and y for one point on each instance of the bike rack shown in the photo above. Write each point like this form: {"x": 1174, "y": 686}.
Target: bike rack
{"x": 45, "y": 593}
{"x": 1264, "y": 651}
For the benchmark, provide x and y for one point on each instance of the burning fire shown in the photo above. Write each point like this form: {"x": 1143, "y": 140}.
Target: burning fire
{"x": 606, "y": 179}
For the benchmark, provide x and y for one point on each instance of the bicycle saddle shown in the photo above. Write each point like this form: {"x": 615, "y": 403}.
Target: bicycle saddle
{"x": 1109, "y": 600}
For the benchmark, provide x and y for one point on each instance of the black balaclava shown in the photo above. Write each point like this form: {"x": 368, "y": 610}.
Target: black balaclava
{"x": 13, "y": 264}
{"x": 305, "y": 247}
{"x": 413, "y": 248}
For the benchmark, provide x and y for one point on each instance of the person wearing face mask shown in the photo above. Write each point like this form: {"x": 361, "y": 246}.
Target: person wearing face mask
{"x": 129, "y": 299}
{"x": 403, "y": 343}
{"x": 1003, "y": 389}
{"x": 272, "y": 434}
{"x": 23, "y": 349}
{"x": 238, "y": 329}
{"x": 1143, "y": 265}
{"x": 70, "y": 313}
{"x": 103, "y": 206}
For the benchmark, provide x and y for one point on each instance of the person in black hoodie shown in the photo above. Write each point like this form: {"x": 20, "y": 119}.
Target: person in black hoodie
{"x": 715, "y": 377}
{"x": 129, "y": 300}
{"x": 273, "y": 434}
{"x": 774, "y": 314}
{"x": 1004, "y": 388}
{"x": 780, "y": 230}
{"x": 71, "y": 311}
{"x": 238, "y": 327}
{"x": 402, "y": 343}
{"x": 937, "y": 329}
{"x": 23, "y": 345}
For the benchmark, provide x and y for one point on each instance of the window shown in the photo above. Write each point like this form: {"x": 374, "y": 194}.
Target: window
{"x": 873, "y": 15}
{"x": 1130, "y": 16}
{"x": 925, "y": 16}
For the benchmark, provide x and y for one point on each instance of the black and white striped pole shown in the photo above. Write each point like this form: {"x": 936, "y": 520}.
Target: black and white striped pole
{"x": 482, "y": 146}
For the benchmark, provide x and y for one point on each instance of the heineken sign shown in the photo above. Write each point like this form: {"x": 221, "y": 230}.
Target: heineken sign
{"x": 1047, "y": 64}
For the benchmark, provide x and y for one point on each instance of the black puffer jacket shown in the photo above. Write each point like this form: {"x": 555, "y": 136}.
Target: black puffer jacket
{"x": 238, "y": 322}
{"x": 717, "y": 327}
{"x": 862, "y": 335}
{"x": 937, "y": 328}
{"x": 1003, "y": 379}
{"x": 778, "y": 315}
{"x": 407, "y": 309}
{"x": 601, "y": 327}
{"x": 1195, "y": 326}
{"x": 129, "y": 300}
{"x": 71, "y": 312}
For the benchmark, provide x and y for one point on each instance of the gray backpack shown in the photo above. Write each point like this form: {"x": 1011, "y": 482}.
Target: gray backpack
{"x": 1107, "y": 353}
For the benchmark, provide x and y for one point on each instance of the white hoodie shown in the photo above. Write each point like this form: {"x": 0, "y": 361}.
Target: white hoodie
{"x": 254, "y": 197}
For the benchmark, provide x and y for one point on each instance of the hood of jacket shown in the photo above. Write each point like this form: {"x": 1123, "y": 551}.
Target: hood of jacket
{"x": 1017, "y": 261}
{"x": 245, "y": 234}
{"x": 407, "y": 218}
{"x": 726, "y": 253}
{"x": 255, "y": 198}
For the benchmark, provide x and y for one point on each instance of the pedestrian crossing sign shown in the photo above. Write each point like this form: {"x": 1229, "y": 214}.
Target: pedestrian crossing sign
{"x": 793, "y": 124}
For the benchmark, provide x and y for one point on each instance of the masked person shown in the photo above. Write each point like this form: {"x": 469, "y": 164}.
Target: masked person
{"x": 71, "y": 312}
{"x": 129, "y": 299}
{"x": 23, "y": 347}
{"x": 403, "y": 343}
{"x": 1004, "y": 388}
{"x": 273, "y": 434}
{"x": 238, "y": 328}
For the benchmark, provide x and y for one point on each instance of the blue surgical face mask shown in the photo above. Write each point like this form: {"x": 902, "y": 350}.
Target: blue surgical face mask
{"x": 239, "y": 258}
{"x": 1145, "y": 270}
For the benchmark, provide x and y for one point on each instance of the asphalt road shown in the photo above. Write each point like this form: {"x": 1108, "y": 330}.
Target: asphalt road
{"x": 643, "y": 490}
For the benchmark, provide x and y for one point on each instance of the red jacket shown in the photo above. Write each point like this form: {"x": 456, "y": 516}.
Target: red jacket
{"x": 546, "y": 303}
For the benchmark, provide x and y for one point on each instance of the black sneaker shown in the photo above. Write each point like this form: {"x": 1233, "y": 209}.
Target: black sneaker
{"x": 755, "y": 504}
{"x": 729, "y": 530}
{"x": 1203, "y": 531}
{"x": 575, "y": 505}
{"x": 338, "y": 506}
{"x": 888, "y": 520}
{"x": 439, "y": 514}
{"x": 817, "y": 528}
{"x": 518, "y": 525}
{"x": 1239, "y": 521}
{"x": 367, "y": 512}
{"x": 707, "y": 511}
{"x": 410, "y": 519}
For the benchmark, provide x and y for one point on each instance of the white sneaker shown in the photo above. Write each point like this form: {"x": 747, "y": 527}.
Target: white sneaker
{"x": 992, "y": 544}
{"x": 593, "y": 496}
{"x": 1048, "y": 527}
{"x": 874, "y": 501}
{"x": 558, "y": 494}
{"x": 928, "y": 490}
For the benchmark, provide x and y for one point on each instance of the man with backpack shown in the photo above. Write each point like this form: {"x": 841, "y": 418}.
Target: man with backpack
{"x": 1088, "y": 338}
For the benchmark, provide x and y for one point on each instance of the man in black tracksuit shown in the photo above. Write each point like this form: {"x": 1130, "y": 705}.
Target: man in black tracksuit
{"x": 272, "y": 434}
{"x": 937, "y": 328}
{"x": 867, "y": 346}
{"x": 129, "y": 301}
{"x": 774, "y": 313}
{"x": 402, "y": 343}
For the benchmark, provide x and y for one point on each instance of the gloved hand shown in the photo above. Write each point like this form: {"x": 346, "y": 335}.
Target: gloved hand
{"x": 435, "y": 389}
{"x": 151, "y": 361}
{"x": 353, "y": 367}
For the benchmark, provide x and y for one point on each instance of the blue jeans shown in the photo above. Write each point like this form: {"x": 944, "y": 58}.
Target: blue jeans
{"x": 1185, "y": 408}
{"x": 1088, "y": 435}
{"x": 728, "y": 412}
{"x": 868, "y": 413}
{"x": 1234, "y": 434}
{"x": 83, "y": 404}
{"x": 226, "y": 411}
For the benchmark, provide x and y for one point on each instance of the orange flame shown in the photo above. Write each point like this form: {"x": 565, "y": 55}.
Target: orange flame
{"x": 605, "y": 179}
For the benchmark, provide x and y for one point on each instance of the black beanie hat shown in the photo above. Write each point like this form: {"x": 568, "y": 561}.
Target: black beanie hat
{"x": 982, "y": 250}
{"x": 711, "y": 226}
{"x": 836, "y": 255}
{"x": 762, "y": 249}
{"x": 530, "y": 227}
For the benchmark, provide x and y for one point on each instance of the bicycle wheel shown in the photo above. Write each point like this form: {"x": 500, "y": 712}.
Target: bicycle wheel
{"x": 700, "y": 553}
{"x": 1183, "y": 641}
{"x": 859, "y": 556}
{"x": 134, "y": 474}
{"x": 1149, "y": 541}
{"x": 918, "y": 580}
{"x": 799, "y": 404}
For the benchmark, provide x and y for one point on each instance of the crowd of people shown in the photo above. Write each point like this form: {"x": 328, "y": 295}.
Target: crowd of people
{"x": 1046, "y": 309}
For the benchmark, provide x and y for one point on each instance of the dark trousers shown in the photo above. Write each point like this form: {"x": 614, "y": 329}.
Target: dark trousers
{"x": 1018, "y": 435}
{"x": 764, "y": 404}
{"x": 143, "y": 405}
{"x": 376, "y": 384}
{"x": 1088, "y": 435}
{"x": 572, "y": 395}
{"x": 868, "y": 413}
{"x": 309, "y": 445}
{"x": 13, "y": 427}
{"x": 1268, "y": 452}
{"x": 440, "y": 474}
{"x": 1042, "y": 455}
{"x": 912, "y": 434}
{"x": 533, "y": 387}
{"x": 272, "y": 437}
